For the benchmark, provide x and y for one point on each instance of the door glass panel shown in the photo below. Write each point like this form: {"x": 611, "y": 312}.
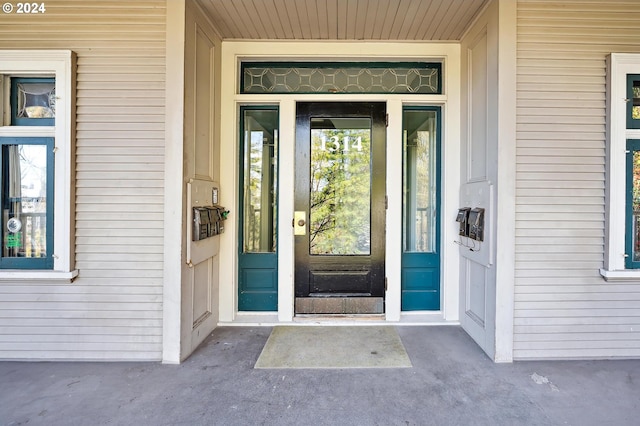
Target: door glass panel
{"x": 419, "y": 201}
{"x": 635, "y": 103}
{"x": 25, "y": 200}
{"x": 635, "y": 111}
{"x": 635, "y": 206}
{"x": 259, "y": 206}
{"x": 340, "y": 204}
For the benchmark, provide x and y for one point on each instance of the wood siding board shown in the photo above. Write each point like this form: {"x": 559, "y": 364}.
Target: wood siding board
{"x": 80, "y": 338}
{"x": 443, "y": 22}
{"x": 235, "y": 25}
{"x": 464, "y": 16}
{"x": 290, "y": 19}
{"x": 341, "y": 19}
{"x": 528, "y": 299}
{"x": 554, "y": 184}
{"x": 578, "y": 321}
{"x": 308, "y": 17}
{"x": 436, "y": 19}
{"x": 359, "y": 19}
{"x": 574, "y": 248}
{"x": 398, "y": 20}
{"x": 250, "y": 22}
{"x": 120, "y": 232}
{"x": 563, "y": 330}
{"x": 574, "y": 286}
{"x": 522, "y": 253}
{"x": 216, "y": 14}
{"x": 333, "y": 21}
{"x": 409, "y": 18}
{"x": 256, "y": 8}
{"x": 422, "y": 20}
{"x": 572, "y": 338}
{"x": 560, "y": 240}
{"x": 322, "y": 15}
{"x": 370, "y": 21}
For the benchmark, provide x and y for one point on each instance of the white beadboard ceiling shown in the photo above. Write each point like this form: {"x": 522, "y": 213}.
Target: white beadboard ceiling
{"x": 342, "y": 19}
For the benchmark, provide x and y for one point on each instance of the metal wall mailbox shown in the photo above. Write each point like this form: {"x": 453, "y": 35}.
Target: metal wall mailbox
{"x": 208, "y": 222}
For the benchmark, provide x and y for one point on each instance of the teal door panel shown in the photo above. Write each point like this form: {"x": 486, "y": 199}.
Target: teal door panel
{"x": 257, "y": 256}
{"x": 420, "y": 289}
{"x": 258, "y": 283}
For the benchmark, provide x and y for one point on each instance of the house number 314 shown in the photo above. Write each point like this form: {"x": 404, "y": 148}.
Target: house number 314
{"x": 347, "y": 144}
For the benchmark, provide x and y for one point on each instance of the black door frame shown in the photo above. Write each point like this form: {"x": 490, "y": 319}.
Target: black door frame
{"x": 371, "y": 301}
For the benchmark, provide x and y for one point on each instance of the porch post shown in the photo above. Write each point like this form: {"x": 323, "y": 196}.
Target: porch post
{"x": 506, "y": 178}
{"x": 173, "y": 182}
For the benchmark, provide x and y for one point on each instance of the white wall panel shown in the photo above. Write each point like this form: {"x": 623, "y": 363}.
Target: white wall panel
{"x": 114, "y": 308}
{"x": 563, "y": 307}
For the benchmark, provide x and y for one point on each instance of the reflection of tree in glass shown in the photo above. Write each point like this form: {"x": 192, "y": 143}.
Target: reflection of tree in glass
{"x": 33, "y": 177}
{"x": 636, "y": 203}
{"x": 340, "y": 192}
{"x": 423, "y": 190}
{"x": 253, "y": 188}
{"x": 635, "y": 110}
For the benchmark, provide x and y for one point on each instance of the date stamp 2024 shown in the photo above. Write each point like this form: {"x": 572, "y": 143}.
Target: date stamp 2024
{"x": 26, "y": 8}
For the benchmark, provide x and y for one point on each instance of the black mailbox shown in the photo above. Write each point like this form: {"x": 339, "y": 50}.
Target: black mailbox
{"x": 201, "y": 222}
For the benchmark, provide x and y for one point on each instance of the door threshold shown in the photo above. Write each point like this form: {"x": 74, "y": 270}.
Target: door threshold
{"x": 337, "y": 318}
{"x": 339, "y": 305}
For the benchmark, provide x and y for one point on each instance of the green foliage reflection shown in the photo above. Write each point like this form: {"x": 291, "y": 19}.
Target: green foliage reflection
{"x": 636, "y": 205}
{"x": 340, "y": 192}
{"x": 635, "y": 109}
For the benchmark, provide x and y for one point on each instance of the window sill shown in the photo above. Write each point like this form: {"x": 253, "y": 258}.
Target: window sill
{"x": 621, "y": 275}
{"x": 32, "y": 275}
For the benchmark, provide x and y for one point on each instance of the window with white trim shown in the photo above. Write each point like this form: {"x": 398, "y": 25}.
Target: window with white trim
{"x": 37, "y": 137}
{"x": 622, "y": 260}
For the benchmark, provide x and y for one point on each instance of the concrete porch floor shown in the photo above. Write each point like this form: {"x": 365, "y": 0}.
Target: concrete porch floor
{"x": 452, "y": 382}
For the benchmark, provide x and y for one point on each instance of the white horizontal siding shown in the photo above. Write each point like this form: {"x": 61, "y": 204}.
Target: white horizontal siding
{"x": 563, "y": 307}
{"x": 114, "y": 309}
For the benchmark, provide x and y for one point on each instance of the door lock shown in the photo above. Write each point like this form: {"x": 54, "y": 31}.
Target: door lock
{"x": 299, "y": 223}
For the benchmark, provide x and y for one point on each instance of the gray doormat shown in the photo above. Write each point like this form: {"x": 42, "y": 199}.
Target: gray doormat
{"x": 334, "y": 347}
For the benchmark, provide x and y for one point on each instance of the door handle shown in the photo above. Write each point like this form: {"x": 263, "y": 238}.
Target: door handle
{"x": 299, "y": 223}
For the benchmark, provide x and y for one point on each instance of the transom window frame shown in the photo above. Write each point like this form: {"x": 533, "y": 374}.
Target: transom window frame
{"x": 332, "y": 84}
{"x": 619, "y": 67}
{"x": 60, "y": 65}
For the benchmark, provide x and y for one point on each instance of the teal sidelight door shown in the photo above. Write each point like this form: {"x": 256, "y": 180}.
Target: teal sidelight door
{"x": 421, "y": 207}
{"x": 257, "y": 257}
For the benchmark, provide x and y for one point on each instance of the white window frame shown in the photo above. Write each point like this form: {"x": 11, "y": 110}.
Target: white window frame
{"x": 60, "y": 64}
{"x": 619, "y": 65}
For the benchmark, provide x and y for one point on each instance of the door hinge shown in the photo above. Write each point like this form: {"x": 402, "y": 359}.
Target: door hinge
{"x": 386, "y": 202}
{"x": 386, "y": 120}
{"x": 385, "y": 283}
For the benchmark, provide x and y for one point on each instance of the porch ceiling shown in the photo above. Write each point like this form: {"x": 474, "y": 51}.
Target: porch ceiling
{"x": 342, "y": 19}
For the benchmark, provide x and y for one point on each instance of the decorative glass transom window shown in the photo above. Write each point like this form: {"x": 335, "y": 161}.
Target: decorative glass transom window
{"x": 33, "y": 101}
{"x": 341, "y": 77}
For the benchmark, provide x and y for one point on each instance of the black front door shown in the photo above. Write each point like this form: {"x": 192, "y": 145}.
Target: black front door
{"x": 339, "y": 223}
